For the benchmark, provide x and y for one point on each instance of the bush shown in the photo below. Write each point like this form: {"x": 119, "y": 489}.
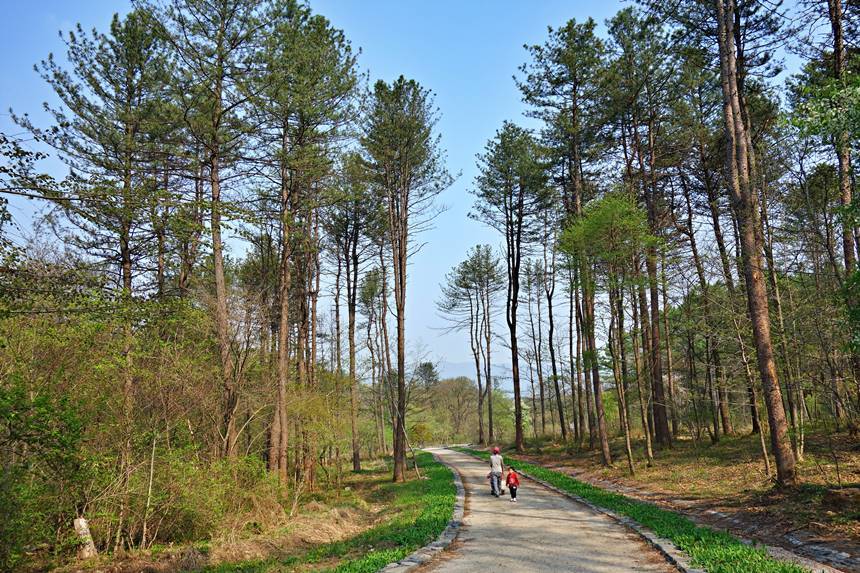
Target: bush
{"x": 39, "y": 441}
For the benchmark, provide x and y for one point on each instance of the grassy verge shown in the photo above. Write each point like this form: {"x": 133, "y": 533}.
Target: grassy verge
{"x": 417, "y": 511}
{"x": 729, "y": 475}
{"x": 715, "y": 551}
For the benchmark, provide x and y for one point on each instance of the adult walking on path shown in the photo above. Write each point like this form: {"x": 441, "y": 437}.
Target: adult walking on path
{"x": 544, "y": 532}
{"x": 497, "y": 468}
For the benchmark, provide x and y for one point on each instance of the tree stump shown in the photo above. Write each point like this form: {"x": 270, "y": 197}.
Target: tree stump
{"x": 87, "y": 549}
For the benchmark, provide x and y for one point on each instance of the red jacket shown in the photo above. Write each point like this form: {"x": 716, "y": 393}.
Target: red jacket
{"x": 513, "y": 480}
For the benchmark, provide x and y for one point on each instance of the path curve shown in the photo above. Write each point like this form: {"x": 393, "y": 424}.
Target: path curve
{"x": 543, "y": 531}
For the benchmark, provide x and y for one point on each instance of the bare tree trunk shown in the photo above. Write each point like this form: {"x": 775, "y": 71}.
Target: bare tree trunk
{"x": 588, "y": 315}
{"x": 312, "y": 458}
{"x": 398, "y": 221}
{"x": 352, "y": 263}
{"x": 230, "y": 397}
{"x": 583, "y": 350}
{"x": 580, "y": 410}
{"x": 780, "y": 324}
{"x": 513, "y": 254}
{"x": 475, "y": 334}
{"x": 711, "y": 339}
{"x": 549, "y": 289}
{"x": 537, "y": 345}
{"x": 655, "y": 364}
{"x": 488, "y": 360}
{"x": 87, "y": 548}
{"x": 646, "y": 344}
{"x": 673, "y": 406}
{"x": 616, "y": 342}
{"x": 144, "y": 528}
{"x": 574, "y": 375}
{"x": 843, "y": 153}
{"x": 534, "y": 402}
{"x": 190, "y": 244}
{"x": 741, "y": 175}
{"x": 637, "y": 364}
{"x": 280, "y": 426}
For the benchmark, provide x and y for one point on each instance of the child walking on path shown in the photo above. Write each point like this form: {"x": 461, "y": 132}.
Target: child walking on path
{"x": 513, "y": 483}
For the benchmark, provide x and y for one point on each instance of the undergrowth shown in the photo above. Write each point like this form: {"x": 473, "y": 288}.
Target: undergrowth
{"x": 418, "y": 510}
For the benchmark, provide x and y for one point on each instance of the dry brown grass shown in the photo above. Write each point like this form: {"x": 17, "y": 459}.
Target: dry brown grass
{"x": 268, "y": 532}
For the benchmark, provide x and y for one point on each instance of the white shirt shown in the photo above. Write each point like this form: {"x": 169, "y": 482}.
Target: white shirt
{"x": 496, "y": 463}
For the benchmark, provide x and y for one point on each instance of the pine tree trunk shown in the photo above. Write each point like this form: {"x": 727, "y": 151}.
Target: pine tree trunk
{"x": 488, "y": 361}
{"x": 740, "y": 168}
{"x": 230, "y": 398}
{"x": 549, "y": 289}
{"x": 638, "y": 366}
{"x": 616, "y": 342}
{"x": 574, "y": 375}
{"x": 592, "y": 363}
{"x": 352, "y": 263}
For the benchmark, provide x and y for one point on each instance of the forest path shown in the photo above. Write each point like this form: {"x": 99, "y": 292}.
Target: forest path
{"x": 543, "y": 531}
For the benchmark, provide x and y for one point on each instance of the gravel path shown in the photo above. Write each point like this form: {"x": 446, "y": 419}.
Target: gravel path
{"x": 543, "y": 531}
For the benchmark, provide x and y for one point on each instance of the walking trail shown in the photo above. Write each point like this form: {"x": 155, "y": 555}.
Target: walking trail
{"x": 543, "y": 531}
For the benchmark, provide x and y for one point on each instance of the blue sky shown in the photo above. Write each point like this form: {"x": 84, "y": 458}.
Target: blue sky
{"x": 466, "y": 52}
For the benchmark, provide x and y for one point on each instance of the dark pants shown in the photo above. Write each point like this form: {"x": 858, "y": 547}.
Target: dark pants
{"x": 496, "y": 483}
{"x": 513, "y": 489}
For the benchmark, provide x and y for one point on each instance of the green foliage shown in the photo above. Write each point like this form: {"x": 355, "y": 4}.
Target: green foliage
{"x": 62, "y": 414}
{"x": 511, "y": 189}
{"x": 561, "y": 82}
{"x": 40, "y": 444}
{"x": 824, "y": 106}
{"x": 611, "y": 230}
{"x": 715, "y": 551}
{"x": 403, "y": 159}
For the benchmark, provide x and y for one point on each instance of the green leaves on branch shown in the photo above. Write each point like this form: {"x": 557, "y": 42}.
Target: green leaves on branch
{"x": 611, "y": 231}
{"x": 829, "y": 108}
{"x": 512, "y": 188}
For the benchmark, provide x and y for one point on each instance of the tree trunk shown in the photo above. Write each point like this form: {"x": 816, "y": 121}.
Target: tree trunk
{"x": 281, "y": 425}
{"x": 842, "y": 142}
{"x": 87, "y": 548}
{"x": 488, "y": 360}
{"x": 537, "y": 345}
{"x": 352, "y": 263}
{"x": 588, "y": 311}
{"x": 582, "y": 358}
{"x": 230, "y": 397}
{"x": 673, "y": 406}
{"x": 475, "y": 334}
{"x": 549, "y": 288}
{"x": 574, "y": 375}
{"x": 399, "y": 237}
{"x": 616, "y": 342}
{"x": 637, "y": 364}
{"x": 741, "y": 174}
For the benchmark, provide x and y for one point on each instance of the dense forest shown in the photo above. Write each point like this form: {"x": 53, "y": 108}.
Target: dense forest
{"x": 677, "y": 260}
{"x": 690, "y": 213}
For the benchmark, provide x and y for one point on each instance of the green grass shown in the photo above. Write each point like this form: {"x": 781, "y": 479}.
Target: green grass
{"x": 715, "y": 551}
{"x": 421, "y": 510}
